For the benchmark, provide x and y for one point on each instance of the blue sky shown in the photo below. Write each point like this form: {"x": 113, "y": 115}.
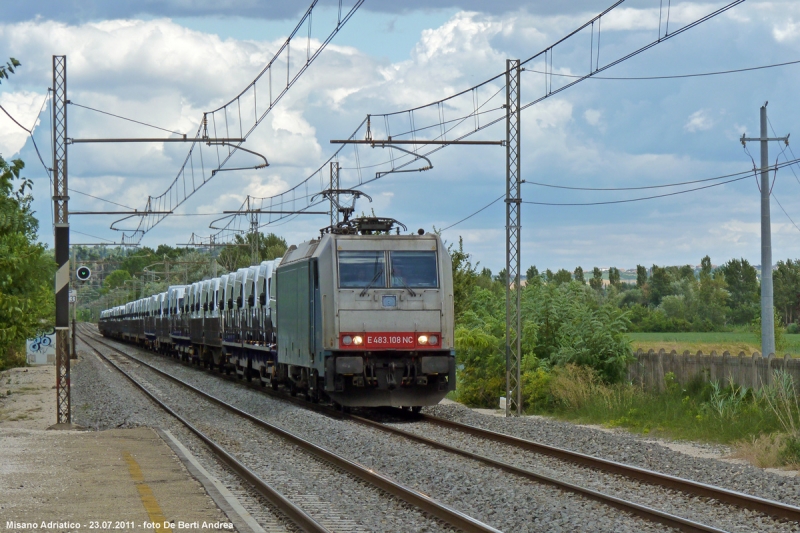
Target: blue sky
{"x": 166, "y": 63}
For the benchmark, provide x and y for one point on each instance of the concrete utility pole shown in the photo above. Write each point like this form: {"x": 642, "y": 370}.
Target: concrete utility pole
{"x": 767, "y": 307}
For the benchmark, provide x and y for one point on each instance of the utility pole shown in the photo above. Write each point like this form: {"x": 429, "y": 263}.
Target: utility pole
{"x": 513, "y": 230}
{"x": 61, "y": 230}
{"x": 767, "y": 308}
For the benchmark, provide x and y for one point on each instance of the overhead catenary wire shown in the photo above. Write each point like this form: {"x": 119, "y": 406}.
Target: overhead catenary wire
{"x": 547, "y": 52}
{"x": 125, "y": 118}
{"x": 478, "y": 108}
{"x": 47, "y": 169}
{"x": 92, "y": 236}
{"x": 669, "y": 77}
{"x": 101, "y": 199}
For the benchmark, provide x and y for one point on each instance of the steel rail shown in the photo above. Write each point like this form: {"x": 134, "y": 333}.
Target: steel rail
{"x": 643, "y": 511}
{"x": 425, "y": 503}
{"x": 294, "y": 513}
{"x": 739, "y": 499}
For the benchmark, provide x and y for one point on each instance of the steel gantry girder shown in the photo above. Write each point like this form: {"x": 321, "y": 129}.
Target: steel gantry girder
{"x": 513, "y": 228}
{"x": 334, "y": 187}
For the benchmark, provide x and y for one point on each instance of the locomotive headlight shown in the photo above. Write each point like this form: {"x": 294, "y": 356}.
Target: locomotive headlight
{"x": 433, "y": 339}
{"x": 358, "y": 340}
{"x": 422, "y": 339}
{"x": 347, "y": 340}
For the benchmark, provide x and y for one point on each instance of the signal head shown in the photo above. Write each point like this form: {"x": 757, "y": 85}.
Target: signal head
{"x": 83, "y": 273}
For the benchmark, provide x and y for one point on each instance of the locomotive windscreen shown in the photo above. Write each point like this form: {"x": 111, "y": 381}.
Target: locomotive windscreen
{"x": 358, "y": 270}
{"x": 413, "y": 269}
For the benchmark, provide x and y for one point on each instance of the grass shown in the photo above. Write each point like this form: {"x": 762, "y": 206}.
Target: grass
{"x": 762, "y": 426}
{"x": 721, "y": 341}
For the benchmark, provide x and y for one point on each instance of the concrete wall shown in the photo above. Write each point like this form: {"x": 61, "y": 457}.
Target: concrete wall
{"x": 648, "y": 369}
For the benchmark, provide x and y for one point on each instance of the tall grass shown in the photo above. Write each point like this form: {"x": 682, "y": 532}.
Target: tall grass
{"x": 762, "y": 425}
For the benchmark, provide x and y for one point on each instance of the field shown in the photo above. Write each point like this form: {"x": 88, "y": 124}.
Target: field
{"x": 733, "y": 341}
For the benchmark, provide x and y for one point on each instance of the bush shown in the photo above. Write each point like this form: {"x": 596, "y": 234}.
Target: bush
{"x": 570, "y": 327}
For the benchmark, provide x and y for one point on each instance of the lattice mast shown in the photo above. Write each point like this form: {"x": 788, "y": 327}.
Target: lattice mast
{"x": 61, "y": 231}
{"x": 513, "y": 227}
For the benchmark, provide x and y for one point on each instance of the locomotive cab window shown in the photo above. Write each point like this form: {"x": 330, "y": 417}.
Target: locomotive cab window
{"x": 413, "y": 269}
{"x": 358, "y": 270}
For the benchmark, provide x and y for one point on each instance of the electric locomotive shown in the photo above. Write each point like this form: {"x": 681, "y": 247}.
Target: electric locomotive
{"x": 367, "y": 317}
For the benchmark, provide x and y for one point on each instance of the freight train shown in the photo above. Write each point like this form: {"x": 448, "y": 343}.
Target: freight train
{"x": 360, "y": 317}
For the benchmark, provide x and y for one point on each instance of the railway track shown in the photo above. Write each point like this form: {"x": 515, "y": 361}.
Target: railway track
{"x": 422, "y": 426}
{"x": 450, "y": 518}
{"x": 738, "y": 499}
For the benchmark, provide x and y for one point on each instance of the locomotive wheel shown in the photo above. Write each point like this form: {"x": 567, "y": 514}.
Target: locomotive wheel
{"x": 416, "y": 409}
{"x": 273, "y": 384}
{"x": 248, "y": 374}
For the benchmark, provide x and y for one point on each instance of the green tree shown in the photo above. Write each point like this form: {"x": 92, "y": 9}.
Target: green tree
{"x": 27, "y": 304}
{"x": 531, "y": 273}
{"x": 711, "y": 302}
{"x": 562, "y": 276}
{"x": 659, "y": 284}
{"x": 596, "y": 282}
{"x": 686, "y": 272}
{"x": 238, "y": 255}
{"x": 464, "y": 275}
{"x": 613, "y": 277}
{"x": 786, "y": 289}
{"x": 116, "y": 280}
{"x": 743, "y": 289}
{"x": 578, "y": 275}
{"x": 641, "y": 276}
{"x": 8, "y": 68}
{"x": 705, "y": 266}
{"x": 502, "y": 277}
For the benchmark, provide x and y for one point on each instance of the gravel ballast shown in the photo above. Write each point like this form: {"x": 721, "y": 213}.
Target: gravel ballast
{"x": 500, "y": 499}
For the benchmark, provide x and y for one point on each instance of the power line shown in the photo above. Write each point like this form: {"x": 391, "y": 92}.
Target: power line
{"x": 476, "y": 212}
{"x": 639, "y": 199}
{"x": 784, "y": 211}
{"x": 670, "y": 77}
{"x": 788, "y": 163}
{"x": 125, "y": 118}
{"x": 620, "y": 189}
{"x": 783, "y": 150}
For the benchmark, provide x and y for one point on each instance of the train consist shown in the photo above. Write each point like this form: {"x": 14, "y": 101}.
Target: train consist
{"x": 359, "y": 316}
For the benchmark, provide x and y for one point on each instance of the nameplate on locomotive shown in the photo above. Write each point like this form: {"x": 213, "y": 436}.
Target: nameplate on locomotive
{"x": 390, "y": 340}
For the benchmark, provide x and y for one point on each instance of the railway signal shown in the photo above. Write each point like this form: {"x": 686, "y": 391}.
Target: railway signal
{"x": 83, "y": 273}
